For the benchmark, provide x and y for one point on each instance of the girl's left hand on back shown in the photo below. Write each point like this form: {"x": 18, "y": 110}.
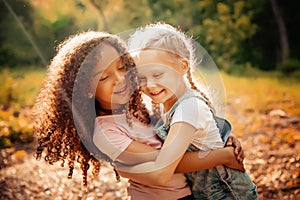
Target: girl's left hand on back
{"x": 233, "y": 162}
{"x": 238, "y": 150}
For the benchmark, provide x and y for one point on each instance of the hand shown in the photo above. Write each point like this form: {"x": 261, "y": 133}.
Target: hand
{"x": 238, "y": 150}
{"x": 232, "y": 161}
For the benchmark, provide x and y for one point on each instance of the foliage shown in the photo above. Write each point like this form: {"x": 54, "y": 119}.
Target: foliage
{"x": 290, "y": 67}
{"x": 226, "y": 33}
{"x": 30, "y": 30}
{"x": 126, "y": 15}
{"x": 233, "y": 32}
{"x": 220, "y": 27}
{"x": 15, "y": 127}
{"x": 17, "y": 95}
{"x": 15, "y": 37}
{"x": 20, "y": 85}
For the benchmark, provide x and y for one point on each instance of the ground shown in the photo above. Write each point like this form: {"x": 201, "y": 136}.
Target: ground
{"x": 272, "y": 161}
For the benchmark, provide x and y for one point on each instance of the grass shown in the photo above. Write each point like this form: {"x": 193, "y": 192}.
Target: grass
{"x": 251, "y": 100}
{"x": 263, "y": 94}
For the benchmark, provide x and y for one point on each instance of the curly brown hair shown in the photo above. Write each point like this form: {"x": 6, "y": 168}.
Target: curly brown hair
{"x": 62, "y": 127}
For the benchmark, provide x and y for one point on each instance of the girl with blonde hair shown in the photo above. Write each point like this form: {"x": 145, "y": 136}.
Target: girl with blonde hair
{"x": 164, "y": 59}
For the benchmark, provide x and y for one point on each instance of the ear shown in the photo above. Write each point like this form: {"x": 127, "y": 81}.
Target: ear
{"x": 184, "y": 65}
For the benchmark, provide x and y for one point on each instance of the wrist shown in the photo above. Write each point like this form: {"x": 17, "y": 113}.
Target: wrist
{"x": 228, "y": 154}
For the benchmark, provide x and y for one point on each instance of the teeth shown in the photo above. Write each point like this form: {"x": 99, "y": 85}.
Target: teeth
{"x": 155, "y": 93}
{"x": 121, "y": 90}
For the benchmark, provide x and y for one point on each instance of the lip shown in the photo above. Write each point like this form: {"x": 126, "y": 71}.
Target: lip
{"x": 121, "y": 90}
{"x": 157, "y": 93}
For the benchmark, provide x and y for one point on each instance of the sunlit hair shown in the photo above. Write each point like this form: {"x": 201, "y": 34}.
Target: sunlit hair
{"x": 54, "y": 125}
{"x": 162, "y": 36}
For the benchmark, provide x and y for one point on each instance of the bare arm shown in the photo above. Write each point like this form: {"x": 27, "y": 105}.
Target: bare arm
{"x": 158, "y": 172}
{"x": 191, "y": 160}
{"x": 162, "y": 169}
{"x": 225, "y": 156}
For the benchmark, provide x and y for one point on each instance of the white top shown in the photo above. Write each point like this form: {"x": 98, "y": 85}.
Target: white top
{"x": 196, "y": 112}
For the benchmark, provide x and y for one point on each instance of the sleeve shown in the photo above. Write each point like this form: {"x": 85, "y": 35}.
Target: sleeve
{"x": 110, "y": 139}
{"x": 193, "y": 111}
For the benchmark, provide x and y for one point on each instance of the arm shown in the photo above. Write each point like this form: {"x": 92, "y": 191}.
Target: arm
{"x": 179, "y": 137}
{"x": 158, "y": 172}
{"x": 232, "y": 158}
{"x": 190, "y": 162}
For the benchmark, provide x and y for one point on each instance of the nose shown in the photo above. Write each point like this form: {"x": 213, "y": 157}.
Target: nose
{"x": 119, "y": 77}
{"x": 151, "y": 83}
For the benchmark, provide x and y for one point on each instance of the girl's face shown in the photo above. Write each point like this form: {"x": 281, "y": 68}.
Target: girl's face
{"x": 112, "y": 90}
{"x": 161, "y": 76}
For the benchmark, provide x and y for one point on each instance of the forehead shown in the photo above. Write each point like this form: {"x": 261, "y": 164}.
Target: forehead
{"x": 153, "y": 55}
{"x": 156, "y": 62}
{"x": 154, "y": 59}
{"x": 108, "y": 55}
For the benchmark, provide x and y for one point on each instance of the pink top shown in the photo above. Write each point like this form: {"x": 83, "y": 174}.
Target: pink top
{"x": 112, "y": 135}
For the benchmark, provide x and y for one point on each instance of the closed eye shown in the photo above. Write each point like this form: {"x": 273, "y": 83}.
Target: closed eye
{"x": 122, "y": 67}
{"x": 103, "y": 78}
{"x": 158, "y": 75}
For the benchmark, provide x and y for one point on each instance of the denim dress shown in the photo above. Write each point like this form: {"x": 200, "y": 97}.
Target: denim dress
{"x": 215, "y": 183}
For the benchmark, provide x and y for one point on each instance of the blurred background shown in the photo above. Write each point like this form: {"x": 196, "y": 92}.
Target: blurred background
{"x": 254, "y": 43}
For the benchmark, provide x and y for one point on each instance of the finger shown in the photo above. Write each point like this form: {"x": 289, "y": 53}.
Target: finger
{"x": 236, "y": 142}
{"x": 237, "y": 150}
{"x": 243, "y": 169}
{"x": 229, "y": 141}
{"x": 240, "y": 156}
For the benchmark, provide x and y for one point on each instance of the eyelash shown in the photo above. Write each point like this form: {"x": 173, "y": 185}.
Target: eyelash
{"x": 120, "y": 68}
{"x": 104, "y": 78}
{"x": 157, "y": 75}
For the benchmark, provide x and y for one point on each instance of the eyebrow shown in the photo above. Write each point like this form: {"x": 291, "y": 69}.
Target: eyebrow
{"x": 97, "y": 73}
{"x": 119, "y": 61}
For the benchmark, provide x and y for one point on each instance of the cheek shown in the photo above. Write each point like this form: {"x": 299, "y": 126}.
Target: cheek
{"x": 144, "y": 89}
{"x": 103, "y": 90}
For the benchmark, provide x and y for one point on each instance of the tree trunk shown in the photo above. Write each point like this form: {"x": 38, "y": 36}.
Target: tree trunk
{"x": 99, "y": 8}
{"x": 284, "y": 43}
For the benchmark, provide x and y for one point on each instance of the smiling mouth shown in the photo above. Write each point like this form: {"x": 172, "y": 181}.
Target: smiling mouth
{"x": 156, "y": 93}
{"x": 121, "y": 90}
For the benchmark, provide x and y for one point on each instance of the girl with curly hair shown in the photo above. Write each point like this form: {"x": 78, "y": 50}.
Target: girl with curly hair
{"x": 91, "y": 88}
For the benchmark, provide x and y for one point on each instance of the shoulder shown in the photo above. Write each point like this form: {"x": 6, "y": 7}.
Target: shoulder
{"x": 109, "y": 137}
{"x": 110, "y": 121}
{"x": 194, "y": 111}
{"x": 193, "y": 104}
{"x": 108, "y": 127}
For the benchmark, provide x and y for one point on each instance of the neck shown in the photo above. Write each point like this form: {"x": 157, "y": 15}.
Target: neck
{"x": 110, "y": 111}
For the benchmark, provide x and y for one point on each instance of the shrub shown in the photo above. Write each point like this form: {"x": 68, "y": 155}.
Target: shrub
{"x": 290, "y": 67}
